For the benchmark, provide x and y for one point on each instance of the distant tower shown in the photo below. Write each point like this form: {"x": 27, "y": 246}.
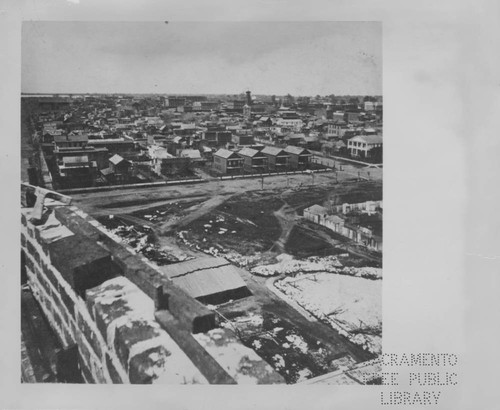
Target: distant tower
{"x": 249, "y": 98}
{"x": 247, "y": 111}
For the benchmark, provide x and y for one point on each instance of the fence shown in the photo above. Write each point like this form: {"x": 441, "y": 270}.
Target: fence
{"x": 132, "y": 186}
{"x": 270, "y": 174}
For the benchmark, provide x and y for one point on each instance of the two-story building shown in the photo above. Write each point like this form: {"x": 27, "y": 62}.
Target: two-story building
{"x": 277, "y": 158}
{"x": 299, "y": 157}
{"x": 227, "y": 162}
{"x": 120, "y": 168}
{"x": 254, "y": 161}
{"x": 243, "y": 139}
{"x": 362, "y": 145}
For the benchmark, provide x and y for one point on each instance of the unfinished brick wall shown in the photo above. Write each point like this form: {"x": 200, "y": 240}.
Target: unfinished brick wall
{"x": 107, "y": 316}
{"x": 130, "y": 323}
{"x": 67, "y": 312}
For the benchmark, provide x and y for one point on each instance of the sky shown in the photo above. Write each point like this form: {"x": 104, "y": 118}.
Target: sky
{"x": 303, "y": 58}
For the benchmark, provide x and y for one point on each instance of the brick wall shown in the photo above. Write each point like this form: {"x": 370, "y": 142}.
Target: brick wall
{"x": 118, "y": 338}
{"x": 67, "y": 312}
{"x": 130, "y": 323}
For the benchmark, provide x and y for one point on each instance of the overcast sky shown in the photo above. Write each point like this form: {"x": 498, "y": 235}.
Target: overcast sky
{"x": 207, "y": 58}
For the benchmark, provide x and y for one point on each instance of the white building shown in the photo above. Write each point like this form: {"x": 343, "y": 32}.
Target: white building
{"x": 369, "y": 106}
{"x": 295, "y": 124}
{"x": 361, "y": 145}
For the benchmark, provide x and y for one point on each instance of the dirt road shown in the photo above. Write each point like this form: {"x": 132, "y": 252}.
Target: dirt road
{"x": 127, "y": 201}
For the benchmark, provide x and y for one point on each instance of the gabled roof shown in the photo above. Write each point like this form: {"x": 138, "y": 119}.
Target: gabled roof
{"x": 297, "y": 150}
{"x": 249, "y": 152}
{"x": 275, "y": 151}
{"x": 225, "y": 153}
{"x": 316, "y": 210}
{"x": 190, "y": 153}
{"x": 107, "y": 171}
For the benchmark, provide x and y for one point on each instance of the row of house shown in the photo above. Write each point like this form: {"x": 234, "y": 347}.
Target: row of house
{"x": 261, "y": 160}
{"x": 363, "y": 235}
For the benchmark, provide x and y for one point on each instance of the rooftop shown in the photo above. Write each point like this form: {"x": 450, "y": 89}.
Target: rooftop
{"x": 297, "y": 150}
{"x": 369, "y": 139}
{"x": 248, "y": 152}
{"x": 225, "y": 153}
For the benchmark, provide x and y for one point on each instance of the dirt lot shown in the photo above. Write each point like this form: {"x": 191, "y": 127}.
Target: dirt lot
{"x": 294, "y": 354}
{"x": 303, "y": 243}
{"x": 253, "y": 226}
{"x": 244, "y": 223}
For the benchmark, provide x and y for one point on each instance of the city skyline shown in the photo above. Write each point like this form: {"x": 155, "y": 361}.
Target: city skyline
{"x": 202, "y": 58}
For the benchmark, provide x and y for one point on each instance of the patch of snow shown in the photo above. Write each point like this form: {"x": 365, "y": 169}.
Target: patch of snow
{"x": 278, "y": 361}
{"x": 303, "y": 374}
{"x": 256, "y": 344}
{"x": 298, "y": 342}
{"x": 288, "y": 265}
{"x": 350, "y": 304}
{"x": 233, "y": 356}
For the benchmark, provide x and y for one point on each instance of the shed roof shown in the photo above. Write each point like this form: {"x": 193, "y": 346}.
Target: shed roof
{"x": 107, "y": 171}
{"x": 205, "y": 276}
{"x": 116, "y": 159}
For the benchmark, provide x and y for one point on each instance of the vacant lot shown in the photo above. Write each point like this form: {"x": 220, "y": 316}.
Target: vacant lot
{"x": 303, "y": 243}
{"x": 244, "y": 224}
{"x": 253, "y": 225}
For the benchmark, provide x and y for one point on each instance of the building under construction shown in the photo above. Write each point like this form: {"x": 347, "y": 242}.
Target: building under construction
{"x": 117, "y": 319}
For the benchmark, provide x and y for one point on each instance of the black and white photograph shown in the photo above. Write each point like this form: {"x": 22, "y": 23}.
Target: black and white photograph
{"x": 255, "y": 205}
{"x": 201, "y": 202}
